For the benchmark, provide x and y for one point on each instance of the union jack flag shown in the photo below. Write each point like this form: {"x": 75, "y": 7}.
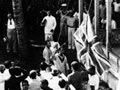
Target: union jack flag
{"x": 87, "y": 47}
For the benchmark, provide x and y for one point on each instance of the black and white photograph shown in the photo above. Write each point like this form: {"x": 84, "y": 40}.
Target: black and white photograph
{"x": 59, "y": 44}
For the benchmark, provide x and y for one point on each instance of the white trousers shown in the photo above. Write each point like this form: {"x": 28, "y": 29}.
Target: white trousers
{"x": 71, "y": 43}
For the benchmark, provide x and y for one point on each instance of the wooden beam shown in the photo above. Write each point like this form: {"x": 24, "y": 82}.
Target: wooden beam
{"x": 96, "y": 17}
{"x": 80, "y": 11}
{"x": 108, "y": 25}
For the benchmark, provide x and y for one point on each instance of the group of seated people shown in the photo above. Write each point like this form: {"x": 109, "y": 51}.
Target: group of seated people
{"x": 13, "y": 77}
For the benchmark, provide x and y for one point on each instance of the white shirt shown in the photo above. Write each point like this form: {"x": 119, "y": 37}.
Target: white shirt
{"x": 50, "y": 23}
{"x": 61, "y": 65}
{"x": 113, "y": 24}
{"x": 53, "y": 83}
{"x": 2, "y": 81}
{"x": 7, "y": 74}
{"x": 34, "y": 85}
{"x": 39, "y": 78}
{"x": 46, "y": 75}
{"x": 94, "y": 81}
{"x": 116, "y": 7}
{"x": 11, "y": 24}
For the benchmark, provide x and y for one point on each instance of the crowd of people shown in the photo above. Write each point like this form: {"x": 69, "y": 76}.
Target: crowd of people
{"x": 66, "y": 21}
{"x": 48, "y": 77}
{"x": 54, "y": 72}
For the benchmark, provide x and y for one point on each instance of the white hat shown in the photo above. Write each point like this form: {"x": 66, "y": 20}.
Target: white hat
{"x": 64, "y": 4}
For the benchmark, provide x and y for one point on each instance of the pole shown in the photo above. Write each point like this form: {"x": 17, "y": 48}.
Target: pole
{"x": 80, "y": 11}
{"x": 96, "y": 18}
{"x": 108, "y": 25}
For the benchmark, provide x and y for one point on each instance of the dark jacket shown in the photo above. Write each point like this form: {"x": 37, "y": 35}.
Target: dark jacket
{"x": 13, "y": 83}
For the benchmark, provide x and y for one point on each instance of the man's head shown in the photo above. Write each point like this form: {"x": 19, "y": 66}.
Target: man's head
{"x": 15, "y": 71}
{"x": 48, "y": 13}
{"x": 55, "y": 72}
{"x": 33, "y": 74}
{"x": 48, "y": 44}
{"x": 2, "y": 68}
{"x": 7, "y": 64}
{"x": 44, "y": 83}
{"x": 75, "y": 65}
{"x": 62, "y": 83}
{"x": 25, "y": 85}
{"x": 71, "y": 13}
{"x": 9, "y": 15}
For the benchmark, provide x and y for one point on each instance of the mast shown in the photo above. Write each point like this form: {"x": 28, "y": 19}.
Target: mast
{"x": 80, "y": 11}
{"x": 108, "y": 24}
{"x": 96, "y": 17}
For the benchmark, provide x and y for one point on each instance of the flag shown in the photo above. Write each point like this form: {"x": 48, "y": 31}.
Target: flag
{"x": 79, "y": 37}
{"x": 87, "y": 47}
{"x": 100, "y": 60}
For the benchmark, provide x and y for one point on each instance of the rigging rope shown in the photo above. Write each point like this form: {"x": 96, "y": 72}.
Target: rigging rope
{"x": 89, "y": 6}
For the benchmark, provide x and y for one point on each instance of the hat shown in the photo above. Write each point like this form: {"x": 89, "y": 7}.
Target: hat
{"x": 64, "y": 4}
{"x": 33, "y": 71}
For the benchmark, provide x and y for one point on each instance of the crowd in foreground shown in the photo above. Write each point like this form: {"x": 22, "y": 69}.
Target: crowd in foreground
{"x": 13, "y": 77}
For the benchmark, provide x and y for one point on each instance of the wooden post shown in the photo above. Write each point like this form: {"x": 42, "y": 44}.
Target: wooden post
{"x": 108, "y": 24}
{"x": 80, "y": 11}
{"x": 96, "y": 17}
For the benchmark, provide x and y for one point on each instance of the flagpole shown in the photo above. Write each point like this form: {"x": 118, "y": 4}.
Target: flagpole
{"x": 96, "y": 18}
{"x": 80, "y": 6}
{"x": 108, "y": 25}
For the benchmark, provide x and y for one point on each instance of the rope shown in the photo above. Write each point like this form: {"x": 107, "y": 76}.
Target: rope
{"x": 90, "y": 6}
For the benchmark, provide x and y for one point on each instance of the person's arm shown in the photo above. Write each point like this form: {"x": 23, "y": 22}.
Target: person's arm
{"x": 71, "y": 87}
{"x": 54, "y": 24}
{"x": 44, "y": 53}
{"x": 8, "y": 23}
{"x": 43, "y": 22}
{"x": 97, "y": 83}
{"x": 66, "y": 63}
{"x": 24, "y": 74}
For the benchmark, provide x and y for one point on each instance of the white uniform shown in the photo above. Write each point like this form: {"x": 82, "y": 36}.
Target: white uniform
{"x": 94, "y": 81}
{"x": 11, "y": 35}
{"x": 47, "y": 54}
{"x": 3, "y": 77}
{"x": 61, "y": 63}
{"x": 50, "y": 25}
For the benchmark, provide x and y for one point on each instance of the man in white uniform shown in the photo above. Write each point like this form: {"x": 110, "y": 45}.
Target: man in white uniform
{"x": 50, "y": 24}
{"x": 11, "y": 34}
